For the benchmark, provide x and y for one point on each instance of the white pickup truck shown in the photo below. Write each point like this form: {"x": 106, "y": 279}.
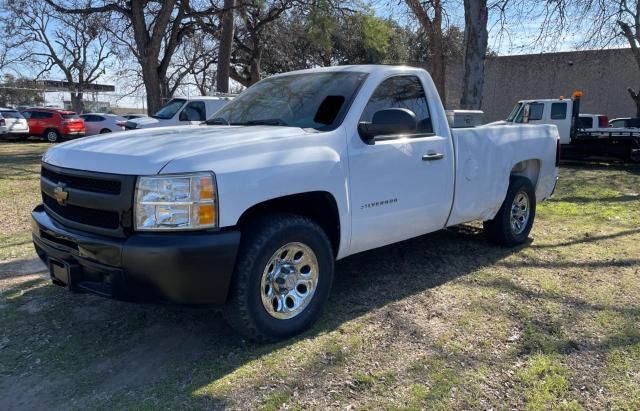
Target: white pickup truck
{"x": 181, "y": 111}
{"x": 251, "y": 209}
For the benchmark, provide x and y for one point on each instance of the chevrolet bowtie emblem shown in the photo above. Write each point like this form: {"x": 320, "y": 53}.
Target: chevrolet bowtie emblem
{"x": 60, "y": 195}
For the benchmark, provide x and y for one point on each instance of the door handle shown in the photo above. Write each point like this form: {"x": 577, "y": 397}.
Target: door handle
{"x": 432, "y": 156}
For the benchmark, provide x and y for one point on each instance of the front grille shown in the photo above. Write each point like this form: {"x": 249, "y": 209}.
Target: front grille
{"x": 99, "y": 203}
{"x": 83, "y": 183}
{"x": 66, "y": 243}
{"x": 82, "y": 215}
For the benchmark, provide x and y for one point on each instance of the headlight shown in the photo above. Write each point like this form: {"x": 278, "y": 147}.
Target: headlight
{"x": 176, "y": 202}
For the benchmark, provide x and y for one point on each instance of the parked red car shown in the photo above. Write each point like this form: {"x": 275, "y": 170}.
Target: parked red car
{"x": 54, "y": 124}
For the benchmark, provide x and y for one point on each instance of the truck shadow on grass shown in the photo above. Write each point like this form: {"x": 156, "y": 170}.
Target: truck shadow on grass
{"x": 59, "y": 343}
{"x": 77, "y": 350}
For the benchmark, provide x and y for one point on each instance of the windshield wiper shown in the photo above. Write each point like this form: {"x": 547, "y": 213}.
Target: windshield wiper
{"x": 265, "y": 122}
{"x": 218, "y": 121}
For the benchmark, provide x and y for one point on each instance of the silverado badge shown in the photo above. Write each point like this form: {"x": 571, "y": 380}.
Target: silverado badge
{"x": 60, "y": 195}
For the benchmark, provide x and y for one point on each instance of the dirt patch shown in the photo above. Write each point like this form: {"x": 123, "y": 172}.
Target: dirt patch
{"x": 20, "y": 267}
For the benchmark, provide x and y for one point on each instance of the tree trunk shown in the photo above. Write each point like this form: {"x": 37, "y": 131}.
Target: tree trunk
{"x": 475, "y": 50}
{"x": 254, "y": 67}
{"x": 433, "y": 28}
{"x": 226, "y": 44}
{"x": 438, "y": 63}
{"x": 77, "y": 102}
{"x": 152, "y": 87}
{"x": 636, "y": 99}
{"x": 631, "y": 37}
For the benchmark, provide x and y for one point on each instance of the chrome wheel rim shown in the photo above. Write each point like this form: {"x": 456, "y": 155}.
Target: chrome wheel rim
{"x": 52, "y": 136}
{"x": 520, "y": 212}
{"x": 289, "y": 281}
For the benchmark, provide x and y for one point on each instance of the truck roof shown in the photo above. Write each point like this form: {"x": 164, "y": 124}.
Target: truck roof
{"x": 362, "y": 68}
{"x": 203, "y": 98}
{"x": 544, "y": 100}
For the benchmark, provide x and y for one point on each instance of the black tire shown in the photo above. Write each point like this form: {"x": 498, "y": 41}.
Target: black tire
{"x": 52, "y": 135}
{"x": 264, "y": 236}
{"x": 105, "y": 131}
{"x": 499, "y": 230}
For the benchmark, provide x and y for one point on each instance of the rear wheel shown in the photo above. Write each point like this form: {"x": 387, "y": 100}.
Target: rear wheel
{"x": 52, "y": 135}
{"x": 512, "y": 225}
{"x": 105, "y": 131}
{"x": 282, "y": 279}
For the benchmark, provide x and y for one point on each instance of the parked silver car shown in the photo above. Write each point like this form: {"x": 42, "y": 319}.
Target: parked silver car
{"x": 99, "y": 123}
{"x": 13, "y": 124}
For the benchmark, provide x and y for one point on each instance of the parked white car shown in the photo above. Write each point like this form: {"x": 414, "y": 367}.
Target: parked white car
{"x": 180, "y": 111}
{"x": 13, "y": 124}
{"x": 625, "y": 122}
{"x": 99, "y": 123}
{"x": 251, "y": 209}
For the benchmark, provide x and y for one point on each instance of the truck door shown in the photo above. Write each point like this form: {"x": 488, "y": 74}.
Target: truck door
{"x": 401, "y": 186}
{"x": 193, "y": 113}
{"x": 557, "y": 113}
{"x": 560, "y": 116}
{"x": 214, "y": 105}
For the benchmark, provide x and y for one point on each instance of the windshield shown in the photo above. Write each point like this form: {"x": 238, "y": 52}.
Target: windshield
{"x": 170, "y": 109}
{"x": 311, "y": 100}
{"x": 515, "y": 110}
{"x": 70, "y": 116}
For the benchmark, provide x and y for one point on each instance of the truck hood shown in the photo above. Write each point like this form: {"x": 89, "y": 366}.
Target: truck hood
{"x": 147, "y": 122}
{"x": 147, "y": 152}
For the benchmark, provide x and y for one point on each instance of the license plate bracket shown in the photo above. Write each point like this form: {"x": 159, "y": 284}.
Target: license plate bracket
{"x": 60, "y": 272}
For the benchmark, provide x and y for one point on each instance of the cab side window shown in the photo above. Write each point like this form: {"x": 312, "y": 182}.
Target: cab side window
{"x": 558, "y": 111}
{"x": 194, "y": 111}
{"x": 536, "y": 110}
{"x": 401, "y": 92}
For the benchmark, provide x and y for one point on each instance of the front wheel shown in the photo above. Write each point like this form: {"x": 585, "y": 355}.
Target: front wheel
{"x": 282, "y": 279}
{"x": 512, "y": 225}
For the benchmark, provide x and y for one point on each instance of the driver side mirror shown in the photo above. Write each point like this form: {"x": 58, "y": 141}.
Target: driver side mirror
{"x": 391, "y": 121}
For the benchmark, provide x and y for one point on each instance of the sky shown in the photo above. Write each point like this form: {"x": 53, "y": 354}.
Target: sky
{"x": 518, "y": 38}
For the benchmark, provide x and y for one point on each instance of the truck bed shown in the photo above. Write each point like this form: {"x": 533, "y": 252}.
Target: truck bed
{"x": 486, "y": 156}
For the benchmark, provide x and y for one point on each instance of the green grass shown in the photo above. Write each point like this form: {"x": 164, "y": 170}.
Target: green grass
{"x": 274, "y": 401}
{"x": 546, "y": 382}
{"x": 445, "y": 321}
{"x": 621, "y": 377}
